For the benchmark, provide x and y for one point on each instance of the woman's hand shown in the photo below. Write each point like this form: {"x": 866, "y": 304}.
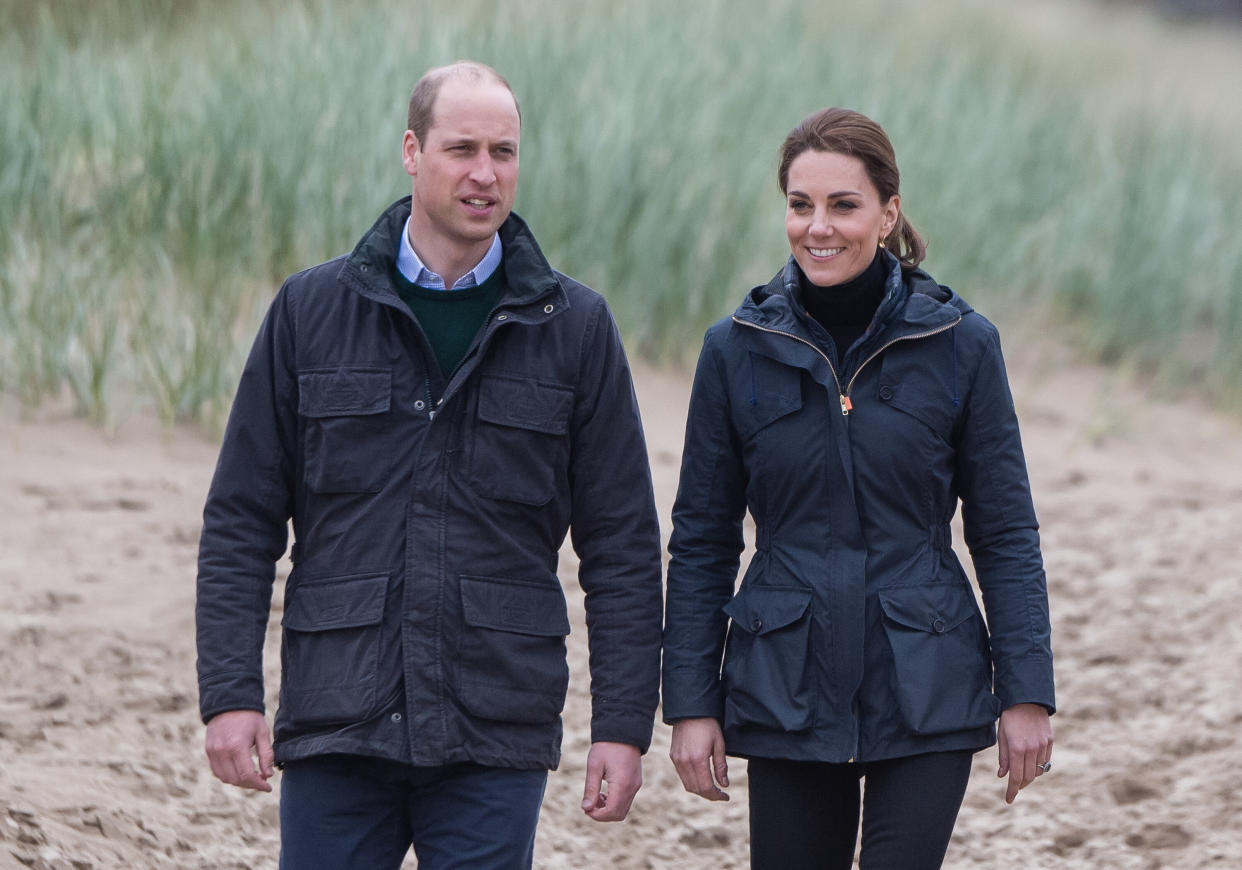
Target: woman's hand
{"x": 1024, "y": 739}
{"x": 698, "y": 753}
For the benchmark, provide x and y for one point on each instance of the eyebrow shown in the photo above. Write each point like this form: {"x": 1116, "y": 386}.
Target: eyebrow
{"x": 471, "y": 140}
{"x": 836, "y": 194}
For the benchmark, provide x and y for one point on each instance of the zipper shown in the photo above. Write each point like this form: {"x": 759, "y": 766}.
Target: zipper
{"x": 431, "y": 409}
{"x": 846, "y": 404}
{"x": 496, "y": 319}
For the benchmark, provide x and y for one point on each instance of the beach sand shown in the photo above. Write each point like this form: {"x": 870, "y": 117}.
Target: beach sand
{"x": 1140, "y": 499}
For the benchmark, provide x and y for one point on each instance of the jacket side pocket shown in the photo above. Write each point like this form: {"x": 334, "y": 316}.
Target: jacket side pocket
{"x": 512, "y": 664}
{"x": 942, "y": 665}
{"x": 330, "y": 650}
{"x": 765, "y": 665}
{"x": 345, "y": 416}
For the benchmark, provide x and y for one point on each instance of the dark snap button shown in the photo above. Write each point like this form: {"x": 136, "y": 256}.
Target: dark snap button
{"x": 886, "y": 392}
{"x": 756, "y": 624}
{"x": 396, "y": 717}
{"x": 938, "y": 625}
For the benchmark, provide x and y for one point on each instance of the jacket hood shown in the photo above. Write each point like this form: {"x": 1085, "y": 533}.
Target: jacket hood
{"x": 913, "y": 300}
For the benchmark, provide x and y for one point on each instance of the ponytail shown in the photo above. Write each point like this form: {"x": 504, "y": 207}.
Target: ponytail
{"x": 904, "y": 243}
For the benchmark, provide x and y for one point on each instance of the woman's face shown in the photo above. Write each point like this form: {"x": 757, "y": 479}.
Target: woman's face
{"x": 834, "y": 217}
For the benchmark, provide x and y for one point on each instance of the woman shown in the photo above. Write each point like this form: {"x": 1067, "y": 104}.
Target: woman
{"x": 849, "y": 405}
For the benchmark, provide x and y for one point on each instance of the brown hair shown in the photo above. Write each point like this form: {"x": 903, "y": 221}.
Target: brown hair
{"x": 842, "y": 131}
{"x": 423, "y": 100}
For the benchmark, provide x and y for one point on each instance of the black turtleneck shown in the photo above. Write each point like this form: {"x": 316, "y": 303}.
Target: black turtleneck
{"x": 845, "y": 310}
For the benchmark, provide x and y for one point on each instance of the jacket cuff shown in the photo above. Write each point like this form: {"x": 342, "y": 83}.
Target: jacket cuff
{"x": 229, "y": 693}
{"x": 684, "y": 702}
{"x": 612, "y": 725}
{"x": 1032, "y": 685}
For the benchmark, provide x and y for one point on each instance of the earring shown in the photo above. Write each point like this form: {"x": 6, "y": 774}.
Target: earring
{"x": 882, "y": 240}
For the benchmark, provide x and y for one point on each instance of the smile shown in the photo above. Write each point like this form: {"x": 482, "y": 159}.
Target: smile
{"x": 476, "y": 202}
{"x": 825, "y": 252}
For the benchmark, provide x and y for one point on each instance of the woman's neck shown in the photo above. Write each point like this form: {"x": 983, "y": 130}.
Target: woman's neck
{"x": 852, "y": 302}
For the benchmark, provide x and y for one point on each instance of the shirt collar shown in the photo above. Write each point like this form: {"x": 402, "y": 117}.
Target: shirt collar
{"x": 409, "y": 264}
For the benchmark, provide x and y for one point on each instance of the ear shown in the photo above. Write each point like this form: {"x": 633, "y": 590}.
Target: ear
{"x": 410, "y": 153}
{"x": 892, "y": 211}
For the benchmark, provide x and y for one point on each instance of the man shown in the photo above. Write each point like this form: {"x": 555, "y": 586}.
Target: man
{"x": 432, "y": 446}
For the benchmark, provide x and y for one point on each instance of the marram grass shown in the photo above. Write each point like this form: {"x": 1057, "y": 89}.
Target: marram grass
{"x": 163, "y": 166}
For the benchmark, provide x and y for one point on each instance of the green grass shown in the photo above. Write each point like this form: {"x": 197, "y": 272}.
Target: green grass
{"x": 163, "y": 165}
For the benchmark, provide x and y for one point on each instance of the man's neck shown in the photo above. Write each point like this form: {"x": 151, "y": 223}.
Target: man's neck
{"x": 448, "y": 261}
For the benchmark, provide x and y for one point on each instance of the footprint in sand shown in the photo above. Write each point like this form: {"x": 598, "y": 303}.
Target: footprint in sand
{"x": 1067, "y": 841}
{"x": 1161, "y": 835}
{"x": 1128, "y": 790}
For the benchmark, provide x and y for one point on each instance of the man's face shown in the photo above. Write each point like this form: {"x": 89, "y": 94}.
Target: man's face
{"x": 465, "y": 174}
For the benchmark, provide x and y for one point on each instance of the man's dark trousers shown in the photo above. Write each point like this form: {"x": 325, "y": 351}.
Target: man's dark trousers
{"x": 348, "y": 812}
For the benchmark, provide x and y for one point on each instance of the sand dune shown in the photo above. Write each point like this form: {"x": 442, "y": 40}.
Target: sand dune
{"x": 101, "y": 763}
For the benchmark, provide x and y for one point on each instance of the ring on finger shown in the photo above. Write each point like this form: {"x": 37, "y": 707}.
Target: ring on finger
{"x": 1045, "y": 767}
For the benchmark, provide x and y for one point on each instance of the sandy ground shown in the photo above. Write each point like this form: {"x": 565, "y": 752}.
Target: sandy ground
{"x": 101, "y": 763}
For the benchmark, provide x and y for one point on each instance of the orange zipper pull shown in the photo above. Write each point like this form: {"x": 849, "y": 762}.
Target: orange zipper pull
{"x": 846, "y": 405}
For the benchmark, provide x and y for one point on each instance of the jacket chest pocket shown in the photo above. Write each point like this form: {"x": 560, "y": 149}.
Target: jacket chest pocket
{"x": 905, "y": 417}
{"x": 922, "y": 386}
{"x": 940, "y": 655}
{"x": 520, "y": 445}
{"x": 766, "y": 393}
{"x": 345, "y": 423}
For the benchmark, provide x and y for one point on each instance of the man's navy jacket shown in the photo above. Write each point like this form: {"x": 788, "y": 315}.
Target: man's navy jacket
{"x": 423, "y": 618}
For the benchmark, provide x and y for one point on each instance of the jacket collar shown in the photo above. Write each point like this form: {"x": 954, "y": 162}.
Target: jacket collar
{"x": 528, "y": 276}
{"x": 913, "y": 302}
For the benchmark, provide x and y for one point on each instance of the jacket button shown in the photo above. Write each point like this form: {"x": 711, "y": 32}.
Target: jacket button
{"x": 547, "y": 309}
{"x": 938, "y": 625}
{"x": 396, "y": 717}
{"x": 502, "y": 317}
{"x": 886, "y": 392}
{"x": 419, "y": 404}
{"x": 756, "y": 624}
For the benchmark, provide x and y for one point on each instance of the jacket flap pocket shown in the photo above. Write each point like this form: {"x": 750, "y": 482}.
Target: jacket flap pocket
{"x": 921, "y": 389}
{"x": 937, "y": 417}
{"x": 343, "y": 603}
{"x": 522, "y": 608}
{"x": 344, "y": 391}
{"x": 934, "y": 608}
{"x": 526, "y": 404}
{"x": 761, "y": 609}
{"x": 772, "y": 390}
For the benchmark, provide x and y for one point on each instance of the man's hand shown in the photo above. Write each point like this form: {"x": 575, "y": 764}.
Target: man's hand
{"x": 1024, "y": 740}
{"x": 234, "y": 739}
{"x": 698, "y": 753}
{"x": 621, "y": 766}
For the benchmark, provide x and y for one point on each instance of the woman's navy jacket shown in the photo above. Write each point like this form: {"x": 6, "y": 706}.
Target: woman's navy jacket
{"x": 854, "y": 634}
{"x": 423, "y": 619}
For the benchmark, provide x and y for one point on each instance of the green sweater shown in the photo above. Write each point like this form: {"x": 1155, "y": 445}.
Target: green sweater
{"x": 451, "y": 318}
